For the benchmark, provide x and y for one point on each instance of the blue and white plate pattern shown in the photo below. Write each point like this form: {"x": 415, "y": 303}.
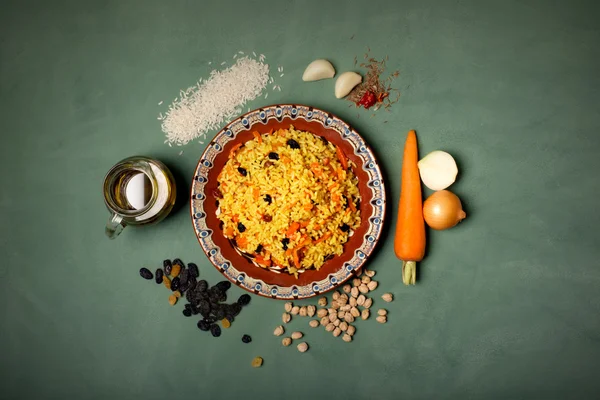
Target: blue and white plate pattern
{"x": 259, "y": 117}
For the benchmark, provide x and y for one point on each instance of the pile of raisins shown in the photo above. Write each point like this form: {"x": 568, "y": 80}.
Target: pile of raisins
{"x": 208, "y": 302}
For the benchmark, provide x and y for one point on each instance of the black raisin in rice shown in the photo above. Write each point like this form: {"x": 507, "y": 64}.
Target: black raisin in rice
{"x": 241, "y": 227}
{"x": 242, "y": 171}
{"x": 293, "y": 144}
{"x": 268, "y": 198}
{"x": 273, "y": 156}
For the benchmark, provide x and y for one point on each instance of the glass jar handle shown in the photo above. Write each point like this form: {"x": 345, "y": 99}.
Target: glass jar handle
{"x": 114, "y": 226}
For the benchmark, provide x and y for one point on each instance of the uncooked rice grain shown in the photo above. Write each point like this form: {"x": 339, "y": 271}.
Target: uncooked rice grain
{"x": 219, "y": 98}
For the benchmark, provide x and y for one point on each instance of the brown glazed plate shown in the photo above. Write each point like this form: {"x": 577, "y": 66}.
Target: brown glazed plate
{"x": 239, "y": 269}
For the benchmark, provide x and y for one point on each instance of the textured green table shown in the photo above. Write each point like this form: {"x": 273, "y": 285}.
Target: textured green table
{"x": 508, "y": 303}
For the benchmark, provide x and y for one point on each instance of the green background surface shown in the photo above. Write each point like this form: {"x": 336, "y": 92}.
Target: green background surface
{"x": 508, "y": 303}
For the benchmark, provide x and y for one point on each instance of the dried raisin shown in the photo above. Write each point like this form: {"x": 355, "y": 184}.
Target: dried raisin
{"x": 235, "y": 309}
{"x": 241, "y": 227}
{"x": 268, "y": 198}
{"x": 183, "y": 277}
{"x": 202, "y": 286}
{"x": 273, "y": 156}
{"x": 193, "y": 270}
{"x": 225, "y": 323}
{"x": 167, "y": 282}
{"x": 220, "y": 313}
{"x": 246, "y": 339}
{"x": 244, "y": 300}
{"x": 203, "y": 325}
{"x": 224, "y": 285}
{"x": 285, "y": 242}
{"x": 267, "y": 218}
{"x": 259, "y": 249}
{"x": 345, "y": 228}
{"x": 187, "y": 312}
{"x": 215, "y": 330}
{"x": 175, "y": 284}
{"x": 167, "y": 267}
{"x": 159, "y": 275}
{"x": 204, "y": 307}
{"x": 145, "y": 273}
{"x": 293, "y": 144}
{"x": 176, "y": 270}
{"x": 257, "y": 362}
{"x": 242, "y": 171}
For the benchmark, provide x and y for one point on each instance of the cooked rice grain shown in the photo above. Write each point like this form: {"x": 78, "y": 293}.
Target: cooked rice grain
{"x": 297, "y": 209}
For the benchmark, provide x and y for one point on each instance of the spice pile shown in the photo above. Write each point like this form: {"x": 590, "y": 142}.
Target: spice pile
{"x": 207, "y": 301}
{"x": 374, "y": 91}
{"x": 345, "y": 309}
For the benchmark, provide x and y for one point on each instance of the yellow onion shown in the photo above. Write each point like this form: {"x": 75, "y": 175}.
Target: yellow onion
{"x": 443, "y": 210}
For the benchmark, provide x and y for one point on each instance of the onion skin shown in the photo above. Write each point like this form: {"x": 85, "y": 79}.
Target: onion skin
{"x": 443, "y": 210}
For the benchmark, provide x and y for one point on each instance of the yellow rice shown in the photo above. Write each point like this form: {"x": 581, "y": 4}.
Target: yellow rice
{"x": 307, "y": 187}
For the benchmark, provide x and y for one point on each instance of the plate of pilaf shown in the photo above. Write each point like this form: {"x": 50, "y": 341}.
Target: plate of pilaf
{"x": 288, "y": 201}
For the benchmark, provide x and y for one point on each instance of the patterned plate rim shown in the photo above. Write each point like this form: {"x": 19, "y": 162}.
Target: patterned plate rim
{"x": 375, "y": 184}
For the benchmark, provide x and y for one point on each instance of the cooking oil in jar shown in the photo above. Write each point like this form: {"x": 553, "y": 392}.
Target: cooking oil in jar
{"x": 138, "y": 191}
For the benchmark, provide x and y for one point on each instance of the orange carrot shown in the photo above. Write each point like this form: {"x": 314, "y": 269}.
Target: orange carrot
{"x": 233, "y": 149}
{"x": 241, "y": 241}
{"x": 229, "y": 232}
{"x": 262, "y": 261}
{"x": 352, "y": 205}
{"x": 325, "y": 161}
{"x": 296, "y": 258}
{"x": 342, "y": 157}
{"x": 323, "y": 238}
{"x": 409, "y": 242}
{"x": 255, "y": 193}
{"x": 257, "y": 136}
{"x": 292, "y": 229}
{"x": 304, "y": 240}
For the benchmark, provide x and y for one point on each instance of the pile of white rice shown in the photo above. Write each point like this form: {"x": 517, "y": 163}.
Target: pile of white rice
{"x": 208, "y": 104}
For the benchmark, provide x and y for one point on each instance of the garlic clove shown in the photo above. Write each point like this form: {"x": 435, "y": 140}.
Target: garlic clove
{"x": 317, "y": 70}
{"x": 345, "y": 83}
{"x": 438, "y": 170}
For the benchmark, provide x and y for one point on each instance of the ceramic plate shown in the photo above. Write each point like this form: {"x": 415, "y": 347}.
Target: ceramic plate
{"x": 242, "y": 271}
